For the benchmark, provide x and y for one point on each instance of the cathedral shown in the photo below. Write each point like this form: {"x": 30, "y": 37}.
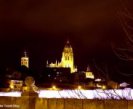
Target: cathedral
{"x": 67, "y": 59}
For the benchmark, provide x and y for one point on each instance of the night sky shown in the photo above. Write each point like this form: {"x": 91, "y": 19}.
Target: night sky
{"x": 42, "y": 27}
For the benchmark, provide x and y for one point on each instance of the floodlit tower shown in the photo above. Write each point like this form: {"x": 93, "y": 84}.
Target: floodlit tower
{"x": 67, "y": 59}
{"x": 25, "y": 60}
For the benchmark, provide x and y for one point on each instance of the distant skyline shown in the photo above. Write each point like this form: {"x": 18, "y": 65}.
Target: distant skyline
{"x": 42, "y": 28}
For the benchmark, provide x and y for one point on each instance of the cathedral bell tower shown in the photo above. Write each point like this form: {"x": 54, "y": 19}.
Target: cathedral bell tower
{"x": 25, "y": 60}
{"x": 67, "y": 59}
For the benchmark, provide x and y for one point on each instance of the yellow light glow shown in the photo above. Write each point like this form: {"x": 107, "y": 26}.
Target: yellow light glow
{"x": 90, "y": 75}
{"x": 103, "y": 87}
{"x": 11, "y": 86}
{"x": 54, "y": 87}
{"x": 79, "y": 87}
{"x": 25, "y": 88}
{"x": 98, "y": 80}
{"x": 25, "y": 61}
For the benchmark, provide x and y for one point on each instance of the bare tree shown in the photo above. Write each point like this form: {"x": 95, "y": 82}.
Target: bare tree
{"x": 125, "y": 52}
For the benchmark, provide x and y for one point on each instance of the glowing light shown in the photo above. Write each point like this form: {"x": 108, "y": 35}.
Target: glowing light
{"x": 25, "y": 60}
{"x": 79, "y": 87}
{"x": 98, "y": 80}
{"x": 15, "y": 85}
{"x": 89, "y": 75}
{"x": 11, "y": 86}
{"x": 10, "y": 94}
{"x": 124, "y": 84}
{"x": 25, "y": 88}
{"x": 103, "y": 87}
{"x": 54, "y": 87}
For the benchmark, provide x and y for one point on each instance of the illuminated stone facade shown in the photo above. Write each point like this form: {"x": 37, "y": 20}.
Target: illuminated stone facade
{"x": 89, "y": 74}
{"x": 25, "y": 60}
{"x": 67, "y": 60}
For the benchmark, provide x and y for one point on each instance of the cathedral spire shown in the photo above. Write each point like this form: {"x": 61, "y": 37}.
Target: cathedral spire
{"x": 68, "y": 42}
{"x": 68, "y": 57}
{"x": 25, "y": 54}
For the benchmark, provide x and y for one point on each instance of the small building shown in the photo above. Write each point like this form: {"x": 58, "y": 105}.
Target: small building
{"x": 15, "y": 85}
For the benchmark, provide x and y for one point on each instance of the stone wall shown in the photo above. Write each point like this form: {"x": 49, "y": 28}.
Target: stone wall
{"x": 26, "y": 102}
